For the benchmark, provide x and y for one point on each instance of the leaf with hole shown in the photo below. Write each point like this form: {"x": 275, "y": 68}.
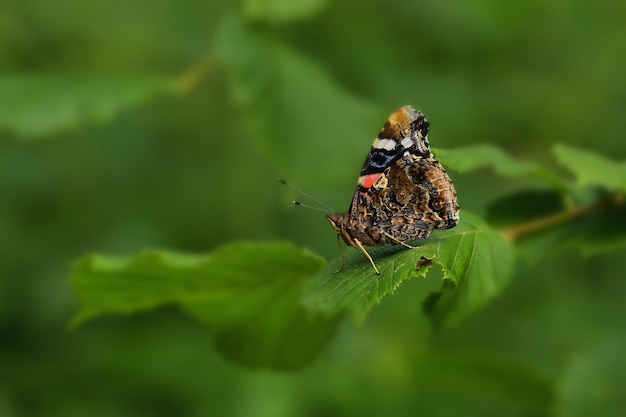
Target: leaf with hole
{"x": 476, "y": 261}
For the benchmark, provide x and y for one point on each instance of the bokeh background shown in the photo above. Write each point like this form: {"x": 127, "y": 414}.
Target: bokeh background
{"x": 233, "y": 95}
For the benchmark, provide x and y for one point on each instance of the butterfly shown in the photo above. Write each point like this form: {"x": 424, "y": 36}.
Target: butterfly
{"x": 403, "y": 192}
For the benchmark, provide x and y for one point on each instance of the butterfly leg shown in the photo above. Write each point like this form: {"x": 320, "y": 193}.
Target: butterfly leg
{"x": 362, "y": 249}
{"x": 340, "y": 253}
{"x": 406, "y": 245}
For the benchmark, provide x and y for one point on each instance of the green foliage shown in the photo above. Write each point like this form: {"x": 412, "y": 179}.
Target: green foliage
{"x": 480, "y": 374}
{"x": 247, "y": 294}
{"x": 293, "y": 290}
{"x": 299, "y": 89}
{"x": 524, "y": 206}
{"x": 38, "y": 105}
{"x": 592, "y": 169}
{"x": 476, "y": 261}
{"x": 553, "y": 220}
{"x": 281, "y": 10}
{"x": 266, "y": 82}
{"x": 592, "y": 384}
{"x": 470, "y": 158}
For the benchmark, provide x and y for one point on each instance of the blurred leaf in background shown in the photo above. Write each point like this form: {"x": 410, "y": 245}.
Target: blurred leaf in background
{"x": 39, "y": 105}
{"x": 128, "y": 157}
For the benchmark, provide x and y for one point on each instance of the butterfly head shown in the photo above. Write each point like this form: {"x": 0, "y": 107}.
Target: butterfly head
{"x": 339, "y": 222}
{"x": 336, "y": 221}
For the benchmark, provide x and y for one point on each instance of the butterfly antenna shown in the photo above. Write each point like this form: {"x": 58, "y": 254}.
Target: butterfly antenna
{"x": 297, "y": 203}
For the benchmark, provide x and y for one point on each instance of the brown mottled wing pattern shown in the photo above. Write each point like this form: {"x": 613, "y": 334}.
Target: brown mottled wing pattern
{"x": 404, "y": 193}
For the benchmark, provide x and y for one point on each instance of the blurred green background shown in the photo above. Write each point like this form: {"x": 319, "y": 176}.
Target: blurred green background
{"x": 162, "y": 124}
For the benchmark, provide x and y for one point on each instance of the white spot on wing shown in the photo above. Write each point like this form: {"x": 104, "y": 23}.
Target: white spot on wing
{"x": 407, "y": 142}
{"x": 386, "y": 144}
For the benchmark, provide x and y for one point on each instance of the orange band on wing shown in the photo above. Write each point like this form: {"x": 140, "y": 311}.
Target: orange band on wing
{"x": 366, "y": 181}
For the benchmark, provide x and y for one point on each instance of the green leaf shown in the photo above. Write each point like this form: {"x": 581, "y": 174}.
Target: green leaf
{"x": 281, "y": 10}
{"x": 591, "y": 168}
{"x": 247, "y": 294}
{"x": 602, "y": 229}
{"x": 294, "y": 109}
{"x": 474, "y": 157}
{"x": 524, "y": 206}
{"x": 476, "y": 261}
{"x": 544, "y": 222}
{"x": 356, "y": 288}
{"x": 36, "y": 105}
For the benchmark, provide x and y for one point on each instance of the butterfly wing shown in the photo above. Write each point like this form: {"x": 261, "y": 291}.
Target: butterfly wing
{"x": 403, "y": 192}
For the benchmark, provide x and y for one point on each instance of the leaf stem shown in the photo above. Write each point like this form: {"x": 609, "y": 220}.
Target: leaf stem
{"x": 517, "y": 232}
{"x": 193, "y": 75}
